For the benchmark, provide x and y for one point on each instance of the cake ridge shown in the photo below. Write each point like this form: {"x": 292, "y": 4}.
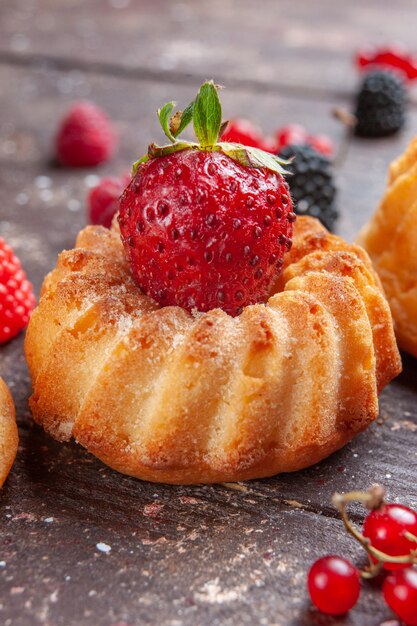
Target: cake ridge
{"x": 275, "y": 389}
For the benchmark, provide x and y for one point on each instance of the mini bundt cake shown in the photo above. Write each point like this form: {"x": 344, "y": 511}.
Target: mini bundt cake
{"x": 8, "y": 432}
{"x": 166, "y": 395}
{"x": 391, "y": 241}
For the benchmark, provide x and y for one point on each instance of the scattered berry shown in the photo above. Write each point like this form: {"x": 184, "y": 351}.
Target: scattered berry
{"x": 312, "y": 186}
{"x": 295, "y": 135}
{"x": 206, "y": 225}
{"x": 16, "y": 295}
{"x": 380, "y": 105}
{"x": 385, "y": 528}
{"x": 291, "y": 135}
{"x": 243, "y": 131}
{"x": 103, "y": 200}
{"x": 333, "y": 585}
{"x": 86, "y": 136}
{"x": 269, "y": 144}
{"x": 390, "y": 57}
{"x": 322, "y": 144}
{"x": 400, "y": 593}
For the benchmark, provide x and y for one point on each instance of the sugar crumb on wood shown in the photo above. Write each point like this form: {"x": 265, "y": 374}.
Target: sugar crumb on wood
{"x": 404, "y": 425}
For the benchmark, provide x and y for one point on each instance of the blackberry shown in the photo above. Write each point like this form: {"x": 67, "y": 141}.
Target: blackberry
{"x": 380, "y": 104}
{"x": 311, "y": 183}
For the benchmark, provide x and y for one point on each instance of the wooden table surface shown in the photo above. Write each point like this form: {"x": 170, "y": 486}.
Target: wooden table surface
{"x": 226, "y": 554}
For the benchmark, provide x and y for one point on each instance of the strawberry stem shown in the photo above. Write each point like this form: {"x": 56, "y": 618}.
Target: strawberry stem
{"x": 206, "y": 114}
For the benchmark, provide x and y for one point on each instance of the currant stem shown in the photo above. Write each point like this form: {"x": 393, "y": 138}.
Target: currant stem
{"x": 371, "y": 499}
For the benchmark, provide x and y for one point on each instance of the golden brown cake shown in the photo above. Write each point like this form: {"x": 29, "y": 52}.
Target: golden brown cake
{"x": 165, "y": 395}
{"x": 391, "y": 241}
{"x": 8, "y": 432}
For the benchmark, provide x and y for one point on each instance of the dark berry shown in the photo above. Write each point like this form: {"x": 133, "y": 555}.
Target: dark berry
{"x": 311, "y": 184}
{"x": 380, "y": 104}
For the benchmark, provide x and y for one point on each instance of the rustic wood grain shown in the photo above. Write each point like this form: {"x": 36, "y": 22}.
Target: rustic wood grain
{"x": 201, "y": 555}
{"x": 305, "y": 46}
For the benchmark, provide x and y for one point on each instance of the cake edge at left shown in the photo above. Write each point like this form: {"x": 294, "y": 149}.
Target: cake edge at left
{"x": 9, "y": 438}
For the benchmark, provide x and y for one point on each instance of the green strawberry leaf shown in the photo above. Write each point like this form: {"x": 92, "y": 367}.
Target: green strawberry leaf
{"x": 207, "y": 115}
{"x": 137, "y": 163}
{"x": 164, "y": 115}
{"x": 160, "y": 151}
{"x": 178, "y": 146}
{"x": 253, "y": 157}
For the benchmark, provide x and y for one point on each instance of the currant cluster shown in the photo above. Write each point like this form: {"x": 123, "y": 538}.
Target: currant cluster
{"x": 389, "y": 536}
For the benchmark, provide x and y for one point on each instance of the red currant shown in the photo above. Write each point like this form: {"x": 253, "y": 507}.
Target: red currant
{"x": 385, "y": 528}
{"x": 400, "y": 593}
{"x": 333, "y": 585}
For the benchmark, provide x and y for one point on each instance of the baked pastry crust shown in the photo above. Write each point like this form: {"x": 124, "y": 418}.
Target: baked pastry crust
{"x": 390, "y": 238}
{"x": 164, "y": 395}
{"x": 8, "y": 432}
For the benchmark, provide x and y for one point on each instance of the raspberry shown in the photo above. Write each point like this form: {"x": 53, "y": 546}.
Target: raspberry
{"x": 380, "y": 105}
{"x": 16, "y": 295}
{"x": 311, "y": 184}
{"x": 85, "y": 137}
{"x": 202, "y": 231}
{"x": 103, "y": 200}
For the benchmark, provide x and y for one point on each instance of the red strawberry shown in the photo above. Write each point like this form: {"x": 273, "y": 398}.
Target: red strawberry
{"x": 103, "y": 200}
{"x": 86, "y": 136}
{"x": 243, "y": 131}
{"x": 16, "y": 295}
{"x": 206, "y": 225}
